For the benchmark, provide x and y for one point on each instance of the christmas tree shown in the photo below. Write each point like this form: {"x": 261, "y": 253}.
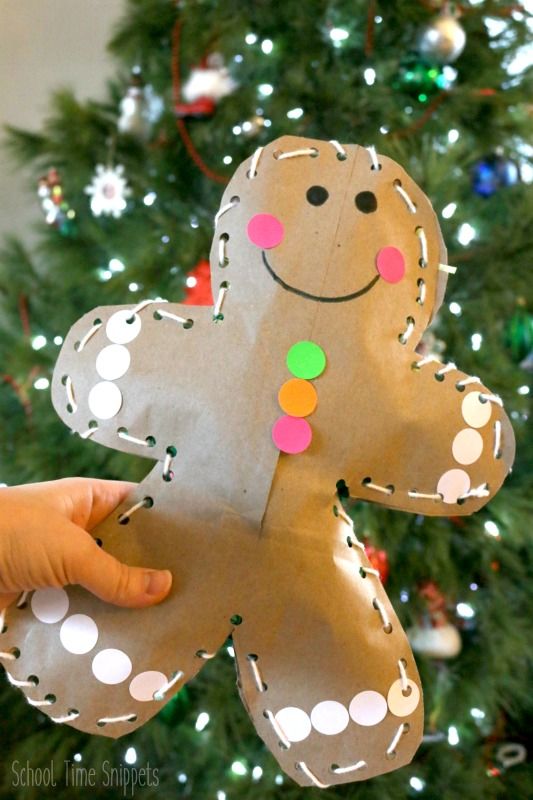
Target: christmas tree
{"x": 129, "y": 188}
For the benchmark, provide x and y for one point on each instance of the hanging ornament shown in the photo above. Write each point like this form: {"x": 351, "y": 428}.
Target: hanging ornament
{"x": 435, "y": 636}
{"x": 134, "y": 116}
{"x": 443, "y": 39}
{"x": 253, "y": 126}
{"x": 494, "y": 172}
{"x": 56, "y": 210}
{"x": 421, "y": 78}
{"x": 379, "y": 560}
{"x": 108, "y": 190}
{"x": 519, "y": 334}
{"x": 206, "y": 85}
{"x": 198, "y": 285}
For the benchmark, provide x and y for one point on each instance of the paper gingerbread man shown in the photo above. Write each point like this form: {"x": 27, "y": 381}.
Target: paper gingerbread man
{"x": 327, "y": 265}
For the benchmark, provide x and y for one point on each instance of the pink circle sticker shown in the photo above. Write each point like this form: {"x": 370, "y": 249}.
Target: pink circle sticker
{"x": 265, "y": 231}
{"x": 292, "y": 434}
{"x": 390, "y": 264}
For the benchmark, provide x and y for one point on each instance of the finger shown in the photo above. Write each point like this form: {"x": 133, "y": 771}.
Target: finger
{"x": 105, "y": 496}
{"x": 115, "y": 582}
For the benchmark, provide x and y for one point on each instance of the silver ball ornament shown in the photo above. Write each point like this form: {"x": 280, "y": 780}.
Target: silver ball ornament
{"x": 442, "y": 40}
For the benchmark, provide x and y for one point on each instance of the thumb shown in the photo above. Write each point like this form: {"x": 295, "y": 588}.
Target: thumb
{"x": 115, "y": 582}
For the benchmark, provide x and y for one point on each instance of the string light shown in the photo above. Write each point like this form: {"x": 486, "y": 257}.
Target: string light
{"x": 476, "y": 340}
{"x": 231, "y": 651}
{"x": 477, "y": 713}
{"x": 221, "y": 795}
{"x": 105, "y": 274}
{"x": 370, "y": 76}
{"x": 38, "y": 342}
{"x": 453, "y": 735}
{"x": 278, "y": 780}
{"x": 404, "y": 596}
{"x": 257, "y": 772}
{"x": 455, "y": 309}
{"x": 416, "y": 783}
{"x": 191, "y": 281}
{"x": 465, "y": 610}
{"x": 491, "y": 529}
{"x": 41, "y": 383}
{"x": 202, "y": 721}
{"x": 237, "y": 130}
{"x": 267, "y": 46}
{"x": 116, "y": 265}
{"x": 453, "y": 135}
{"x": 227, "y": 159}
{"x": 77, "y": 757}
{"x": 238, "y": 768}
{"x": 265, "y": 90}
{"x": 182, "y": 777}
{"x": 149, "y": 199}
{"x": 295, "y": 113}
{"x": 338, "y": 35}
{"x": 133, "y": 287}
{"x": 466, "y": 234}
{"x": 250, "y": 38}
{"x": 449, "y": 210}
{"x": 523, "y": 389}
{"x": 131, "y": 755}
{"x": 58, "y": 340}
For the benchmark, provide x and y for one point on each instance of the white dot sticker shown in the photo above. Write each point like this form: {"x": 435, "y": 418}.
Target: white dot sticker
{"x": 123, "y": 326}
{"x": 144, "y": 685}
{"x": 105, "y": 400}
{"x": 467, "y": 446}
{"x": 368, "y": 708}
{"x": 453, "y": 484}
{"x": 329, "y": 717}
{"x": 49, "y": 605}
{"x": 294, "y": 723}
{"x": 113, "y": 362}
{"x": 476, "y": 413}
{"x": 111, "y": 666}
{"x": 79, "y": 634}
{"x": 400, "y": 704}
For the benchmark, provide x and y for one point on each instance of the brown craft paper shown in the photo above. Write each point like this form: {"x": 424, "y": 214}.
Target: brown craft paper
{"x": 257, "y": 541}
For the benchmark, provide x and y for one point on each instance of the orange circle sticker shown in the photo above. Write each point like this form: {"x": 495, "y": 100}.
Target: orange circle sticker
{"x": 297, "y": 397}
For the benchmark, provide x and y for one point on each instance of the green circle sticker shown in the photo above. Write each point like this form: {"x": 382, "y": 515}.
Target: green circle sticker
{"x": 306, "y": 360}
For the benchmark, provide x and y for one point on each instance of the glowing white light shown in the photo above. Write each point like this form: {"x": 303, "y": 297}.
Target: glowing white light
{"x": 295, "y": 113}
{"x": 231, "y": 651}
{"x": 267, "y": 46}
{"x": 131, "y": 755}
{"x": 523, "y": 390}
{"x": 38, "y": 342}
{"x": 477, "y": 713}
{"x": 77, "y": 757}
{"x": 182, "y": 778}
{"x": 338, "y": 34}
{"x": 238, "y": 58}
{"x": 455, "y": 309}
{"x": 236, "y": 129}
{"x": 453, "y": 135}
{"x": 265, "y": 89}
{"x": 105, "y": 274}
{"x": 149, "y": 199}
{"x": 416, "y": 783}
{"x": 250, "y": 38}
{"x": 191, "y": 281}
{"x": 495, "y": 26}
{"x": 165, "y": 239}
{"x": 221, "y": 795}
{"x": 194, "y": 222}
{"x": 449, "y": 73}
{"x": 404, "y": 596}
{"x": 247, "y": 126}
{"x": 58, "y": 340}
{"x": 278, "y": 780}
{"x": 449, "y": 210}
{"x": 267, "y": 123}
{"x": 238, "y": 768}
{"x": 453, "y": 735}
{"x": 257, "y": 773}
{"x": 378, "y": 20}
{"x": 116, "y": 265}
{"x": 227, "y": 159}
{"x": 370, "y": 76}
{"x": 41, "y": 383}
{"x": 133, "y": 287}
{"x": 466, "y": 234}
{"x": 384, "y": 129}
{"x": 474, "y": 587}
{"x": 465, "y": 610}
{"x": 491, "y": 529}
{"x": 202, "y": 721}
{"x": 476, "y": 340}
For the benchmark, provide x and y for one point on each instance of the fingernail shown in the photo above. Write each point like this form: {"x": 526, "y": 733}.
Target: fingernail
{"x": 158, "y": 581}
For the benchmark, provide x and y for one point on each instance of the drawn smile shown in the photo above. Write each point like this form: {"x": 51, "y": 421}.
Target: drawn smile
{"x": 319, "y": 298}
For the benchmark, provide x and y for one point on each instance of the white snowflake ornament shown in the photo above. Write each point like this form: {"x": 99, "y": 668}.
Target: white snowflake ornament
{"x": 109, "y": 190}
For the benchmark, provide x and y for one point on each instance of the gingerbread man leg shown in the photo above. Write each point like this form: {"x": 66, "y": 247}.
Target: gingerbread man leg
{"x": 105, "y": 669}
{"x": 325, "y": 669}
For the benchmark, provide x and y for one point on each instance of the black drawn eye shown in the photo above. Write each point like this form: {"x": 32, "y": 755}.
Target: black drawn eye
{"x": 317, "y": 195}
{"x": 366, "y": 202}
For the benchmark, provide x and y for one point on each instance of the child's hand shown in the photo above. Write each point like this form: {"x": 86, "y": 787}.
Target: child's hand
{"x": 44, "y": 542}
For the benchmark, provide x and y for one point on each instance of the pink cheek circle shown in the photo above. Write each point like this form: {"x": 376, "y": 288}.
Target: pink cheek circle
{"x": 265, "y": 231}
{"x": 390, "y": 264}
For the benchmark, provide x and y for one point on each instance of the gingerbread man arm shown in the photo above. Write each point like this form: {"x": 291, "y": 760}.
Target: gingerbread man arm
{"x": 450, "y": 451}
{"x": 109, "y": 380}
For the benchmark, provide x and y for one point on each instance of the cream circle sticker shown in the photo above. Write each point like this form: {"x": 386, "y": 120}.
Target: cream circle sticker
{"x": 400, "y": 704}
{"x": 113, "y": 362}
{"x": 123, "y": 326}
{"x": 453, "y": 485}
{"x": 111, "y": 666}
{"x": 105, "y": 400}
{"x": 265, "y": 231}
{"x": 79, "y": 634}
{"x": 145, "y": 684}
{"x": 294, "y": 723}
{"x": 292, "y": 435}
{"x": 368, "y": 708}
{"x": 49, "y": 605}
{"x": 329, "y": 717}
{"x": 390, "y": 264}
{"x": 467, "y": 446}
{"x": 476, "y": 413}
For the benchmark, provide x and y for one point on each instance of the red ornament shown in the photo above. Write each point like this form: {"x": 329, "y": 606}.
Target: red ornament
{"x": 436, "y": 603}
{"x": 198, "y": 283}
{"x": 379, "y": 560}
